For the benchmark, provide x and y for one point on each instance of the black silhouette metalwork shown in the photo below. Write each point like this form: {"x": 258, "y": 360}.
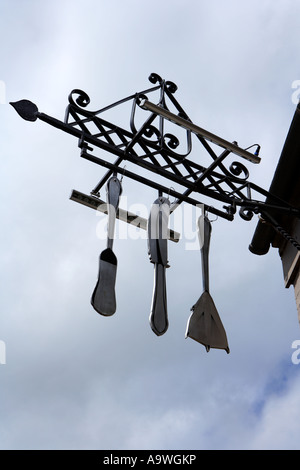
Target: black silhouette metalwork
{"x": 149, "y": 150}
{"x": 147, "y": 145}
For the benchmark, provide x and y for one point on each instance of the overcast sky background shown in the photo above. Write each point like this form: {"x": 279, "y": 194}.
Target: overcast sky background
{"x": 74, "y": 379}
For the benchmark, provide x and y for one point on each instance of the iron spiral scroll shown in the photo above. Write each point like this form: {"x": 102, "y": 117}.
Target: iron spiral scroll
{"x": 151, "y": 146}
{"x": 155, "y": 156}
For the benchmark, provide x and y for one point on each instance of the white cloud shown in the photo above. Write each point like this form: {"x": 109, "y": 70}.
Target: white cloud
{"x": 278, "y": 428}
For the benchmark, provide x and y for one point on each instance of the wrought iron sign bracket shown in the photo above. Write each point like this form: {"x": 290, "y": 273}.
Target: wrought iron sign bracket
{"x": 156, "y": 157}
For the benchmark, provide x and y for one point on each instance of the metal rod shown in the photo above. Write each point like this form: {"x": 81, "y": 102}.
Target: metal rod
{"x": 182, "y": 197}
{"x": 80, "y": 134}
{"x": 155, "y": 185}
{"x": 212, "y": 166}
{"x": 270, "y": 220}
{"x": 125, "y": 216}
{"x": 146, "y": 104}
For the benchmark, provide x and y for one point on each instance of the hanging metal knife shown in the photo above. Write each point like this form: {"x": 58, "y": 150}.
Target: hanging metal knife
{"x": 158, "y": 253}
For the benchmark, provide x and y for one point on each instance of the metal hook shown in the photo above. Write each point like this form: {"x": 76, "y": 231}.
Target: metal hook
{"x": 205, "y": 214}
{"x": 122, "y": 174}
{"x": 171, "y": 187}
{"x": 214, "y": 220}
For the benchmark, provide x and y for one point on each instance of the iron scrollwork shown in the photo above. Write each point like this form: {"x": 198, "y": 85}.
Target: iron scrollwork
{"x": 237, "y": 168}
{"x": 153, "y": 147}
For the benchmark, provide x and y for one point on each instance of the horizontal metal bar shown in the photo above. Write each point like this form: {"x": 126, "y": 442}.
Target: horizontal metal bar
{"x": 120, "y": 153}
{"x": 125, "y": 216}
{"x": 154, "y": 108}
{"x": 159, "y": 187}
{"x": 80, "y": 134}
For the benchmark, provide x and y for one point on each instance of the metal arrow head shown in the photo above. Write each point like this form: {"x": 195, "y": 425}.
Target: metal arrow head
{"x": 26, "y": 109}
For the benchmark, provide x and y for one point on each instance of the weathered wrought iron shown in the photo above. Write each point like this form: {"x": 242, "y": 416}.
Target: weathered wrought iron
{"x": 149, "y": 144}
{"x": 149, "y": 147}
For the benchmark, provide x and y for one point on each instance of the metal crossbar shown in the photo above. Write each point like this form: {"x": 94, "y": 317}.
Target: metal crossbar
{"x": 149, "y": 146}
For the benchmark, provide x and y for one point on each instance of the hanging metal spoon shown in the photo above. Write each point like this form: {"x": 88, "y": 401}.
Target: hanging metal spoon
{"x": 158, "y": 253}
{"x": 104, "y": 299}
{"x": 204, "y": 324}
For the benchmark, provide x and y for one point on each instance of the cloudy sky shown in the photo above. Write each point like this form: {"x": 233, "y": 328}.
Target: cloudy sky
{"x": 74, "y": 379}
